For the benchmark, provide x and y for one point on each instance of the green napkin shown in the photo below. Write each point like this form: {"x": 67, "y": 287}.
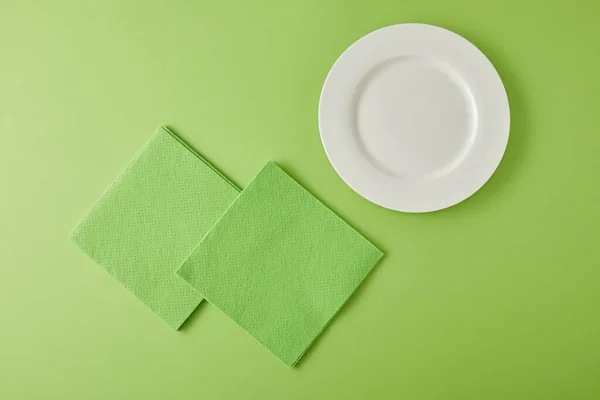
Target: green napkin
{"x": 279, "y": 263}
{"x": 151, "y": 218}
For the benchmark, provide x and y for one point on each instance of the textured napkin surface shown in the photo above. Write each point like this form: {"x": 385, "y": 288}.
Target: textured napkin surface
{"x": 151, "y": 218}
{"x": 279, "y": 263}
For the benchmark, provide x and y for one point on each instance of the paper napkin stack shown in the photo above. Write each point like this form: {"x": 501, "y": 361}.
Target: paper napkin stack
{"x": 174, "y": 230}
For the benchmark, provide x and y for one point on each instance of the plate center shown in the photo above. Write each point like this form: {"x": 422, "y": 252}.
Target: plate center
{"x": 415, "y": 118}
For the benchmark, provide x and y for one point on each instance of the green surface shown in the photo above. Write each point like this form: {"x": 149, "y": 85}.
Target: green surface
{"x": 150, "y": 219}
{"x": 495, "y": 298}
{"x": 279, "y": 263}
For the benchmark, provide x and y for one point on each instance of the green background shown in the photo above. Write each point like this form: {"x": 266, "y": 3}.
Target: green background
{"x": 496, "y": 298}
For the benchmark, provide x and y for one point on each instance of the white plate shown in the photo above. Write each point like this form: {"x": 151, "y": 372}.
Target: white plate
{"x": 414, "y": 117}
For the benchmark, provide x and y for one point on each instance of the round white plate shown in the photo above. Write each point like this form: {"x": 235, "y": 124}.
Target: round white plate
{"x": 414, "y": 117}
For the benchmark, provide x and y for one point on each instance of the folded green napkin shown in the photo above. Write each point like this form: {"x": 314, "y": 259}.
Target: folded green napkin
{"x": 151, "y": 218}
{"x": 279, "y": 263}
